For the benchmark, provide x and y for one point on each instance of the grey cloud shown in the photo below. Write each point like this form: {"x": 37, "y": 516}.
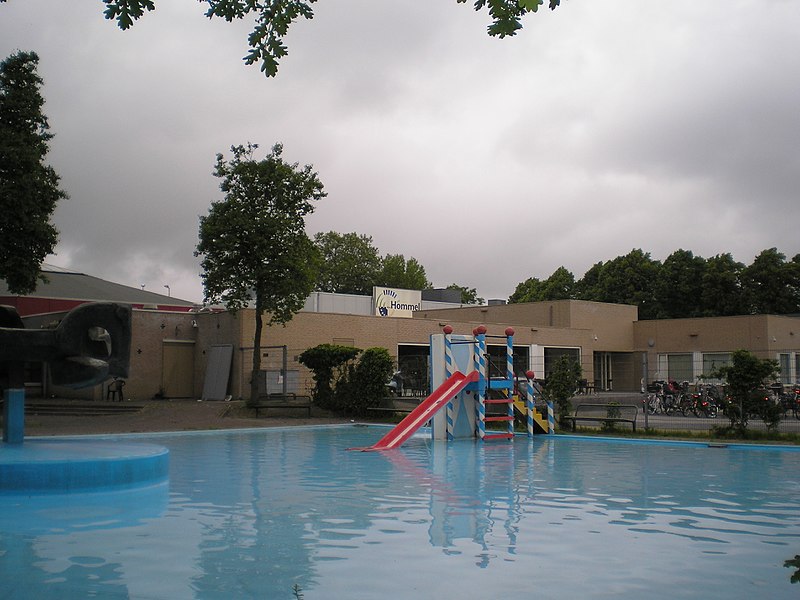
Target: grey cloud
{"x": 601, "y": 127}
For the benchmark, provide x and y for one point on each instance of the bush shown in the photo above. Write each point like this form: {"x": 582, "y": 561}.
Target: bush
{"x": 327, "y": 362}
{"x": 363, "y": 384}
{"x": 561, "y": 384}
{"x": 745, "y": 375}
{"x": 613, "y": 411}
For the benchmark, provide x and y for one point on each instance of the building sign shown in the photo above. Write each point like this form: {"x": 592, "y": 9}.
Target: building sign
{"x": 390, "y": 302}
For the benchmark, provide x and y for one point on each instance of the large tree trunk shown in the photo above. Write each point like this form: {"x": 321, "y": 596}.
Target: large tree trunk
{"x": 256, "y": 353}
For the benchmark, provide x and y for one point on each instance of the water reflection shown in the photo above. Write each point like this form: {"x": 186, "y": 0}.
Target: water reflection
{"x": 254, "y": 513}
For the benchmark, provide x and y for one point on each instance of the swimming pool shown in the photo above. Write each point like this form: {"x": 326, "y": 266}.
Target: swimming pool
{"x": 253, "y": 513}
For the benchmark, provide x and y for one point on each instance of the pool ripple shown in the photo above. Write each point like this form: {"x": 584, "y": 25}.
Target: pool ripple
{"x": 254, "y": 513}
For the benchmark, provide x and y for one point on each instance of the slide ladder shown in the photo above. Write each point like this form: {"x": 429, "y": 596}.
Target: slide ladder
{"x": 424, "y": 412}
{"x": 508, "y": 418}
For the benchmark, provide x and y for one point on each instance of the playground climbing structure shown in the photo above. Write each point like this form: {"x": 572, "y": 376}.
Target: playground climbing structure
{"x": 462, "y": 390}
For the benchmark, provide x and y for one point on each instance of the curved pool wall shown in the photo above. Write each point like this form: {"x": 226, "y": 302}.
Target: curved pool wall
{"x": 62, "y": 465}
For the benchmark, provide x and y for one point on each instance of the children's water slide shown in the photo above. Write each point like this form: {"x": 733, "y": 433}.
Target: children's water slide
{"x": 423, "y": 413}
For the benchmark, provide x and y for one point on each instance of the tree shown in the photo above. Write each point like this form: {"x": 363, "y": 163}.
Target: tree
{"x": 559, "y": 286}
{"x": 771, "y": 283}
{"x": 253, "y": 243}
{"x": 326, "y": 363}
{"x": 362, "y": 384}
{"x": 530, "y": 290}
{"x": 677, "y": 286}
{"x": 29, "y": 188}
{"x": 350, "y": 263}
{"x": 397, "y": 272}
{"x": 468, "y": 295}
{"x": 745, "y": 374}
{"x": 721, "y": 293}
{"x": 273, "y": 18}
{"x": 628, "y": 279}
{"x": 586, "y": 286}
{"x": 561, "y": 384}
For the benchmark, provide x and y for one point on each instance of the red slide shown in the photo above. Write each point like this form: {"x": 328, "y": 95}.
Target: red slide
{"x": 423, "y": 413}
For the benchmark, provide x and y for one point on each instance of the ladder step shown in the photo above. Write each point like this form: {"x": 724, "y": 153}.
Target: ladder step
{"x": 504, "y": 418}
{"x": 498, "y": 401}
{"x": 498, "y": 436}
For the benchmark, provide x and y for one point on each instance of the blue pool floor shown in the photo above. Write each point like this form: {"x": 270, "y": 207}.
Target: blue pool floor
{"x": 252, "y": 514}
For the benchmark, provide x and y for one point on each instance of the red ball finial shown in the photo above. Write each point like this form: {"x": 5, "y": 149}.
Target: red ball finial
{"x": 530, "y": 374}
{"x": 481, "y": 329}
{"x": 447, "y": 330}
{"x": 509, "y": 331}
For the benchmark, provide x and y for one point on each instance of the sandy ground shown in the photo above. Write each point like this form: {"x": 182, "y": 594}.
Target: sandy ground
{"x": 174, "y": 415}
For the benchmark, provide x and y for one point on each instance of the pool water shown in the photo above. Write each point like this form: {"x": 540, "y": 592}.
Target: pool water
{"x": 252, "y": 514}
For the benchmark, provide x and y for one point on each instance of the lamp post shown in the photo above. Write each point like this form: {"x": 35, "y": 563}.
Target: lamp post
{"x": 169, "y": 292}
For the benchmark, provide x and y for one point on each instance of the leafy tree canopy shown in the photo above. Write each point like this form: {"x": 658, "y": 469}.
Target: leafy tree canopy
{"x": 273, "y": 18}
{"x": 253, "y": 243}
{"x": 397, "y": 272}
{"x": 676, "y": 285}
{"x": 468, "y": 295}
{"x": 561, "y": 384}
{"x": 771, "y": 284}
{"x": 350, "y": 263}
{"x": 721, "y": 292}
{"x": 683, "y": 286}
{"x": 744, "y": 375}
{"x": 530, "y": 290}
{"x": 29, "y": 188}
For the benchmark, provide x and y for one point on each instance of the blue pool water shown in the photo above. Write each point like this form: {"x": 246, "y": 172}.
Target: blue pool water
{"x": 251, "y": 514}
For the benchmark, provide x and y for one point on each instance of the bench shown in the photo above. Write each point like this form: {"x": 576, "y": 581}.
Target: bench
{"x": 598, "y": 413}
{"x": 282, "y": 401}
{"x": 402, "y": 404}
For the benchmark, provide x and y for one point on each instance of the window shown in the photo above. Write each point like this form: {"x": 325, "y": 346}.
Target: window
{"x": 678, "y": 367}
{"x": 551, "y": 356}
{"x": 785, "y": 363}
{"x": 712, "y": 361}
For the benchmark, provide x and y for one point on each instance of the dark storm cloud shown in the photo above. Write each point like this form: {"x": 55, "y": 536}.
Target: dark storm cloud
{"x": 600, "y": 128}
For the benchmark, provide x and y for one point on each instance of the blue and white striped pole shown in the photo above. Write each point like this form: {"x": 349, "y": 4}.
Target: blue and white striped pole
{"x": 510, "y": 376}
{"x": 448, "y": 372}
{"x": 530, "y": 401}
{"x": 480, "y": 365}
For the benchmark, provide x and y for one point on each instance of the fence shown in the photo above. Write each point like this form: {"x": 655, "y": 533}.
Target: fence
{"x": 677, "y": 421}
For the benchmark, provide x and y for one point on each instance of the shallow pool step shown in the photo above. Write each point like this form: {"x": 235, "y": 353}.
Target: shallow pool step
{"x": 498, "y": 436}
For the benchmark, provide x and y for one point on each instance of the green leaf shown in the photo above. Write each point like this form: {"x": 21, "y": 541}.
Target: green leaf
{"x": 531, "y": 5}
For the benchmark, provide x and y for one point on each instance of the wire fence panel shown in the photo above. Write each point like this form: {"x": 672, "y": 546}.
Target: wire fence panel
{"x": 678, "y": 420}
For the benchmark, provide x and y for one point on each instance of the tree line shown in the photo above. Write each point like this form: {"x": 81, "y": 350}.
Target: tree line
{"x": 682, "y": 286}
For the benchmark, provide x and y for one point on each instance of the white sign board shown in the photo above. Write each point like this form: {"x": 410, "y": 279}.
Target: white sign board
{"x": 391, "y": 302}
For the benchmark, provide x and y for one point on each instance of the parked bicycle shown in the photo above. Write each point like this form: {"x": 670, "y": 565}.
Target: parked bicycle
{"x": 707, "y": 401}
{"x": 790, "y": 401}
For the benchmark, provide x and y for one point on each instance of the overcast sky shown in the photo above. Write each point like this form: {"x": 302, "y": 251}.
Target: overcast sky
{"x": 603, "y": 126}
